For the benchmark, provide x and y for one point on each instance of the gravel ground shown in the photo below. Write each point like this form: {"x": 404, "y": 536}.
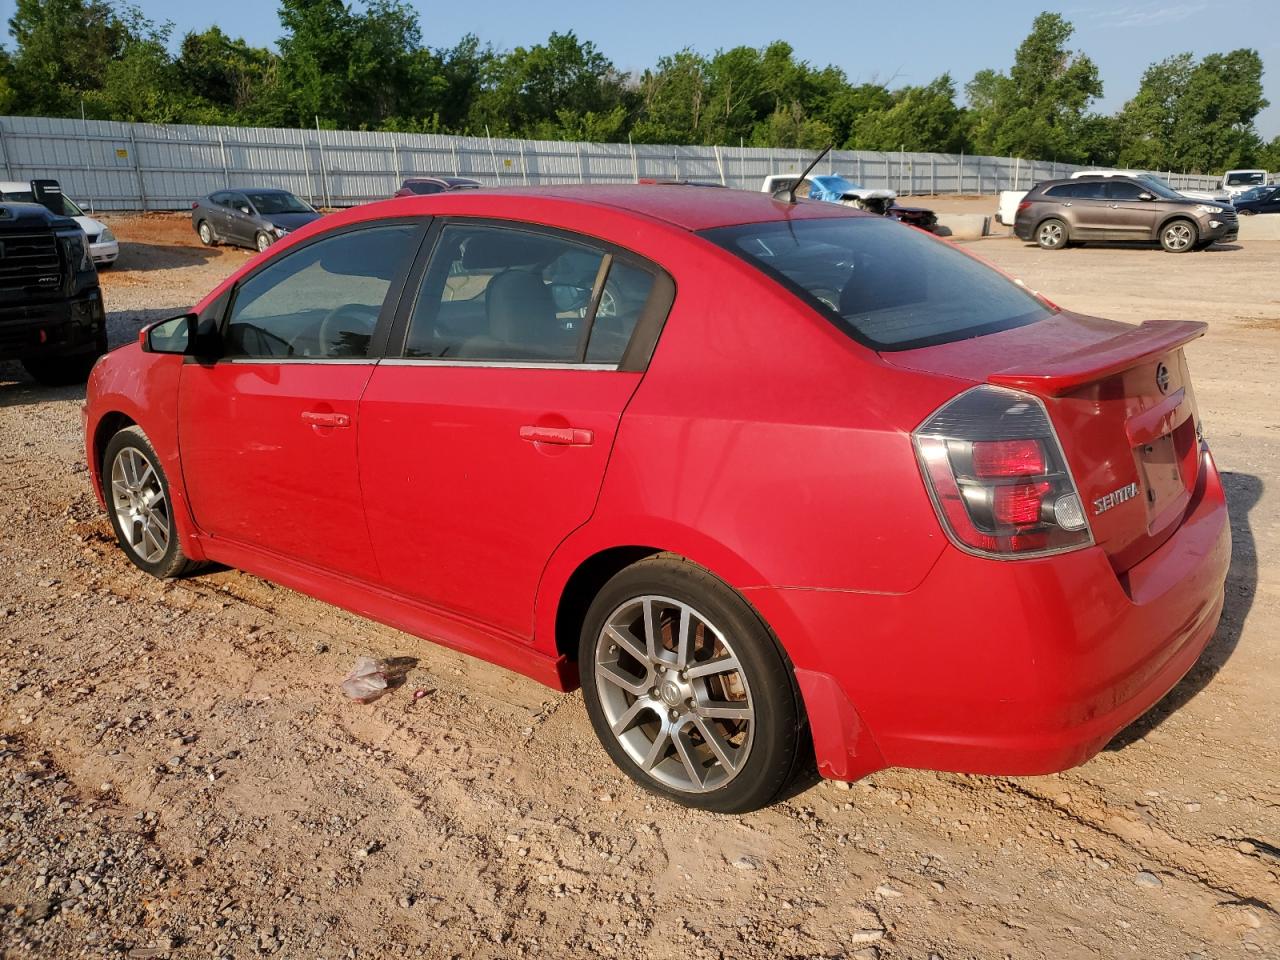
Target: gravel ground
{"x": 179, "y": 775}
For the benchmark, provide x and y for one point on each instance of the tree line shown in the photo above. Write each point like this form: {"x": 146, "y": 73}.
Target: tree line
{"x": 365, "y": 66}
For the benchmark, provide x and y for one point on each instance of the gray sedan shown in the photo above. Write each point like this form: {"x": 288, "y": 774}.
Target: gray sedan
{"x": 249, "y": 218}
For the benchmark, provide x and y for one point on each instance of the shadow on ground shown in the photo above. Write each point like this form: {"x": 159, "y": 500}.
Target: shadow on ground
{"x": 1243, "y": 493}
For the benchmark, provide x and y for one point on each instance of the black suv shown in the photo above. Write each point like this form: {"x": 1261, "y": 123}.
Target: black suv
{"x": 51, "y": 313}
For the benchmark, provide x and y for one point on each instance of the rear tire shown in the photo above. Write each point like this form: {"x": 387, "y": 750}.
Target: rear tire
{"x": 207, "y": 236}
{"x": 1247, "y": 212}
{"x": 1052, "y": 234}
{"x": 719, "y": 727}
{"x": 139, "y": 506}
{"x": 1179, "y": 236}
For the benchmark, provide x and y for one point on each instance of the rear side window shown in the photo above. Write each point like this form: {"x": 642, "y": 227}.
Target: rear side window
{"x": 1062, "y": 190}
{"x": 496, "y": 293}
{"x": 890, "y": 286}
{"x": 321, "y": 301}
{"x": 1090, "y": 190}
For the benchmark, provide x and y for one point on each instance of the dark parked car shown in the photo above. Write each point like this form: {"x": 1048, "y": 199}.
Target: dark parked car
{"x": 1058, "y": 213}
{"x": 422, "y": 186}
{"x": 249, "y": 218}
{"x": 1258, "y": 200}
{"x": 51, "y": 314}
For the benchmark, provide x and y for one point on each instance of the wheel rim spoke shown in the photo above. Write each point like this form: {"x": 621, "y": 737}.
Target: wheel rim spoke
{"x": 620, "y": 678}
{"x": 711, "y": 667}
{"x": 684, "y": 750}
{"x": 657, "y": 750}
{"x": 725, "y": 711}
{"x": 624, "y": 722}
{"x": 715, "y": 742}
{"x": 627, "y": 642}
{"x": 682, "y": 641}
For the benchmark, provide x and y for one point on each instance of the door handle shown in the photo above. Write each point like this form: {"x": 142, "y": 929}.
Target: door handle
{"x": 564, "y": 436}
{"x": 318, "y": 419}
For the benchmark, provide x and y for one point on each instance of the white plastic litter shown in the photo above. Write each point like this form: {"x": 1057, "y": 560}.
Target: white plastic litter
{"x": 366, "y": 682}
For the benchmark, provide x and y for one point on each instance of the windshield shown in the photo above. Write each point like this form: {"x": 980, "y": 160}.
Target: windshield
{"x": 891, "y": 286}
{"x": 69, "y": 208}
{"x": 1238, "y": 178}
{"x": 267, "y": 203}
{"x": 1160, "y": 188}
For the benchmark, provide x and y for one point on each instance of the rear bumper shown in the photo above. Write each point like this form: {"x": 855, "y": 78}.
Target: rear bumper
{"x": 1023, "y": 667}
{"x": 57, "y": 328}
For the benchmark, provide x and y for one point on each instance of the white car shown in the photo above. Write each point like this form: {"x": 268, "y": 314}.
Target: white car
{"x": 103, "y": 246}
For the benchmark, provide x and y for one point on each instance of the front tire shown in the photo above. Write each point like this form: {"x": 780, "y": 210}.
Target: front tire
{"x": 262, "y": 241}
{"x": 687, "y": 689}
{"x": 1052, "y": 234}
{"x": 140, "y": 506}
{"x": 1179, "y": 236}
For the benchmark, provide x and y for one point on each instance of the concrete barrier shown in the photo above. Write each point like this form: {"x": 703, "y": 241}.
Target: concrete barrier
{"x": 963, "y": 226}
{"x": 1263, "y": 226}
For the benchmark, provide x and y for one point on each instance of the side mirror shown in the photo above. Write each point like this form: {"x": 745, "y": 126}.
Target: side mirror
{"x": 175, "y": 335}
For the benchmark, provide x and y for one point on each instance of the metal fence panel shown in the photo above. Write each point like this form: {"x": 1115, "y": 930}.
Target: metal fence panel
{"x": 108, "y": 165}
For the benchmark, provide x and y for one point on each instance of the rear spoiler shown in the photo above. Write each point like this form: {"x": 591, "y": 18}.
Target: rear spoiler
{"x": 1065, "y": 373}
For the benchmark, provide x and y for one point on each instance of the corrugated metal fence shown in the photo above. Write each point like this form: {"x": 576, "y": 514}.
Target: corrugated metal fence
{"x": 142, "y": 166}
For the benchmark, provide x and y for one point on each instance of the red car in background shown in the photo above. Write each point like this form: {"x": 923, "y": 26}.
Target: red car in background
{"x": 771, "y": 480}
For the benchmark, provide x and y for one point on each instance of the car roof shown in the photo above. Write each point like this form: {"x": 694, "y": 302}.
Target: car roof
{"x": 682, "y": 206}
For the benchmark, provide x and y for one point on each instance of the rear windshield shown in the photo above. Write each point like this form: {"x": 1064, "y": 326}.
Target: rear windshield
{"x": 889, "y": 285}
{"x": 1241, "y": 177}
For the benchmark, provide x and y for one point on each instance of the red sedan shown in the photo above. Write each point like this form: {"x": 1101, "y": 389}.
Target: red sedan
{"x": 773, "y": 481}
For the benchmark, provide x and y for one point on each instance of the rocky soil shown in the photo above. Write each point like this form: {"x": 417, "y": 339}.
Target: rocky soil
{"x": 180, "y": 776}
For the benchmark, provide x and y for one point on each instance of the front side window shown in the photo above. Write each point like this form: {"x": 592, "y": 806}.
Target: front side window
{"x": 1123, "y": 190}
{"x": 501, "y": 293}
{"x": 321, "y": 301}
{"x": 890, "y": 286}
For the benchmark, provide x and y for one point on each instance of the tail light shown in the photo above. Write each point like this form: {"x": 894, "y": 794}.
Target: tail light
{"x": 1024, "y": 205}
{"x": 998, "y": 477}
{"x": 195, "y": 204}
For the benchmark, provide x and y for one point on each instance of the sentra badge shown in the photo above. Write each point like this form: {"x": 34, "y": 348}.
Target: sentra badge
{"x": 1103, "y": 504}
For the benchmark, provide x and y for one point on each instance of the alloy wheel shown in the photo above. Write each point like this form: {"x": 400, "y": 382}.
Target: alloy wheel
{"x": 140, "y": 505}
{"x": 1178, "y": 236}
{"x": 263, "y": 242}
{"x": 674, "y": 694}
{"x": 206, "y": 234}
{"x": 1051, "y": 235}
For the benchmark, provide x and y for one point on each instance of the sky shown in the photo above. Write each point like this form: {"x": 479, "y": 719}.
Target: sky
{"x": 911, "y": 42}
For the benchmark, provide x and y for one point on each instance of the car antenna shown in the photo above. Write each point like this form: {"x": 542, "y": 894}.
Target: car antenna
{"x": 791, "y": 194}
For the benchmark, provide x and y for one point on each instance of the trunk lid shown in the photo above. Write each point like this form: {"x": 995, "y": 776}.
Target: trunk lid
{"x": 1121, "y": 402}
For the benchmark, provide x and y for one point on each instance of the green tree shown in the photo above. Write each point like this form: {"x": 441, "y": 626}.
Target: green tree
{"x": 63, "y": 50}
{"x": 1039, "y": 108}
{"x": 228, "y": 80}
{"x": 673, "y": 100}
{"x": 545, "y": 86}
{"x": 916, "y": 118}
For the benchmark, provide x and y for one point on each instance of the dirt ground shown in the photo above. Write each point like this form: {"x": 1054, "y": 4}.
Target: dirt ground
{"x": 180, "y": 776}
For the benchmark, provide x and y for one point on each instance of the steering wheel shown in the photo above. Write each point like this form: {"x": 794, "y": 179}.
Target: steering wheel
{"x": 342, "y": 324}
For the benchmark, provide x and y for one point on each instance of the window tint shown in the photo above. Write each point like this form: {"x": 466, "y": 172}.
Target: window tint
{"x": 497, "y": 293}
{"x": 321, "y": 301}
{"x": 1062, "y": 190}
{"x": 424, "y": 188}
{"x": 219, "y": 198}
{"x": 626, "y": 291}
{"x": 892, "y": 286}
{"x": 1091, "y": 190}
{"x": 1123, "y": 190}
